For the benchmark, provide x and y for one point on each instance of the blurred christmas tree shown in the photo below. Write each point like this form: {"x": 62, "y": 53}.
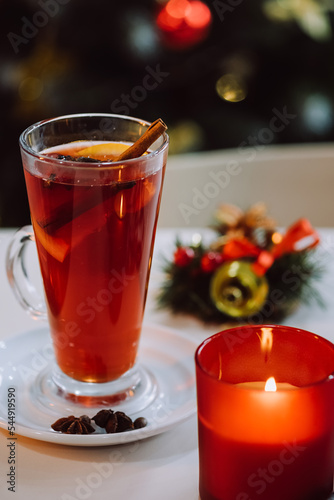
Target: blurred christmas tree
{"x": 214, "y": 70}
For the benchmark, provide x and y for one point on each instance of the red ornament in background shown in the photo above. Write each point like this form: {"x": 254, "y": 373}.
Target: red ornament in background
{"x": 183, "y": 256}
{"x": 184, "y": 23}
{"x": 211, "y": 261}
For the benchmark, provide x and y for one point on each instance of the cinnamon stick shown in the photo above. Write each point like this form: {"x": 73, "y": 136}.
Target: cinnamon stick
{"x": 64, "y": 214}
{"x": 154, "y": 131}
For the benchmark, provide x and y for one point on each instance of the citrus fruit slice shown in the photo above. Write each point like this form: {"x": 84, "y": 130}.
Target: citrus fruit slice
{"x": 69, "y": 235}
{"x": 132, "y": 200}
{"x": 103, "y": 151}
{"x": 55, "y": 246}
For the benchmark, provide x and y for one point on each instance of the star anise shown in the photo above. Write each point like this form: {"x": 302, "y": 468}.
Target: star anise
{"x": 74, "y": 425}
{"x": 113, "y": 421}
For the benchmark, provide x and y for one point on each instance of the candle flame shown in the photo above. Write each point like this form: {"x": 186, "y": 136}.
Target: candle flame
{"x": 266, "y": 339}
{"x": 270, "y": 385}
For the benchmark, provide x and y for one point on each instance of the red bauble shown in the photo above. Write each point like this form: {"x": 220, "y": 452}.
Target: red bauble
{"x": 184, "y": 23}
{"x": 183, "y": 256}
{"x": 211, "y": 261}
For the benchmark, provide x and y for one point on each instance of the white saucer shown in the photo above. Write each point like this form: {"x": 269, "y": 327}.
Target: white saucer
{"x": 168, "y": 354}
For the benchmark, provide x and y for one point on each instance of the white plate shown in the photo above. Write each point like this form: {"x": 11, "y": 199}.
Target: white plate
{"x": 168, "y": 354}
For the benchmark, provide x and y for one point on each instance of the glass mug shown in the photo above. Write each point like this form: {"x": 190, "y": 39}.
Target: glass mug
{"x": 94, "y": 226}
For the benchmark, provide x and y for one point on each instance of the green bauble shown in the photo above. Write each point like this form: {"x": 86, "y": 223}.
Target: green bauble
{"x": 237, "y": 291}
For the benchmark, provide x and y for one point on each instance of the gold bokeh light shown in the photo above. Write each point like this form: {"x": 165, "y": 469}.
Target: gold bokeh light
{"x": 231, "y": 88}
{"x": 31, "y": 88}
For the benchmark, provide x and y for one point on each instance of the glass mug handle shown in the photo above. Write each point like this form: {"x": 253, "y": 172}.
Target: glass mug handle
{"x": 16, "y": 266}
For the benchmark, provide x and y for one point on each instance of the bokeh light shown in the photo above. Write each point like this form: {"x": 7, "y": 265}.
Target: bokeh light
{"x": 186, "y": 136}
{"x": 184, "y": 23}
{"x": 231, "y": 88}
{"x": 31, "y": 88}
{"x": 318, "y": 114}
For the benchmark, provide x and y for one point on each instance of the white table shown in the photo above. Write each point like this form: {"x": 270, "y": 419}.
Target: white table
{"x": 163, "y": 467}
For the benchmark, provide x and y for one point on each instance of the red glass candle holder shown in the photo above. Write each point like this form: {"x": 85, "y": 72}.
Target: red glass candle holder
{"x": 271, "y": 444}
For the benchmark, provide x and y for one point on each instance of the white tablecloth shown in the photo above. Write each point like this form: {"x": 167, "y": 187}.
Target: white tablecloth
{"x": 163, "y": 467}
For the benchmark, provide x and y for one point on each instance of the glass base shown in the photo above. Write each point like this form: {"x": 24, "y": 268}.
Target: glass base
{"x": 131, "y": 393}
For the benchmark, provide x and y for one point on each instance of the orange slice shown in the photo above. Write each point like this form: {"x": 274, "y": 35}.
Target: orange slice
{"x": 132, "y": 200}
{"x": 85, "y": 224}
{"x": 104, "y": 151}
{"x": 55, "y": 246}
{"x": 148, "y": 192}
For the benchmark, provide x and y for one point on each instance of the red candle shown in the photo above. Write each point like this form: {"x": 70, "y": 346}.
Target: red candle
{"x": 258, "y": 444}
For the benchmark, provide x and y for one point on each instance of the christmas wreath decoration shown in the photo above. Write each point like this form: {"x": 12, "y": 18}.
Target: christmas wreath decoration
{"x": 250, "y": 271}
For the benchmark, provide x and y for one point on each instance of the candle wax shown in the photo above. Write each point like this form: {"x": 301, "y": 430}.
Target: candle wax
{"x": 283, "y": 386}
{"x": 235, "y": 470}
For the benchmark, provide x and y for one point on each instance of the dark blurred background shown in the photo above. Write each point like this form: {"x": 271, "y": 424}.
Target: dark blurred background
{"x": 215, "y": 71}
